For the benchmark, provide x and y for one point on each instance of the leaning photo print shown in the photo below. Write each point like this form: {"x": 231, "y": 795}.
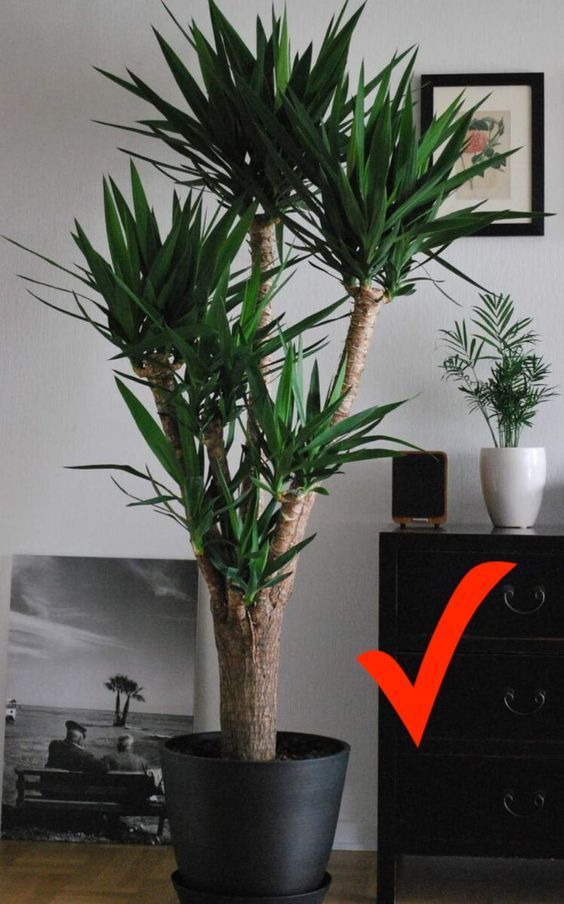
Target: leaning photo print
{"x": 100, "y": 672}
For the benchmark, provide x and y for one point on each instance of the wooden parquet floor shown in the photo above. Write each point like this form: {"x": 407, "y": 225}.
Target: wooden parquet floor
{"x": 49, "y": 873}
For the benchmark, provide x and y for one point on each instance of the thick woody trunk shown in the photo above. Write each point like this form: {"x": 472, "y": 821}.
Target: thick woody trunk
{"x": 248, "y": 647}
{"x": 367, "y": 305}
{"x": 161, "y": 378}
{"x": 261, "y": 244}
{"x": 248, "y": 641}
{"x": 296, "y": 509}
{"x": 261, "y": 241}
{"x": 292, "y": 522}
{"x": 160, "y": 374}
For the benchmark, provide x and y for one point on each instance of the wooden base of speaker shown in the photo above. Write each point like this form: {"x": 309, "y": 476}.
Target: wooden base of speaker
{"x": 420, "y": 522}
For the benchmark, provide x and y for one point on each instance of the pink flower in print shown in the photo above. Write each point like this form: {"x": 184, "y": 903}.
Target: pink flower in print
{"x": 477, "y": 141}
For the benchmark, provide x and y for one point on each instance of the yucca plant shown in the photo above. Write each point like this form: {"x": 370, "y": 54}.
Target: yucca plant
{"x": 219, "y": 142}
{"x": 193, "y": 334}
{"x": 247, "y": 437}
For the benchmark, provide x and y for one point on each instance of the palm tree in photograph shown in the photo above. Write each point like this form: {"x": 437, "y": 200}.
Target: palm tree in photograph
{"x": 132, "y": 691}
{"x": 115, "y": 684}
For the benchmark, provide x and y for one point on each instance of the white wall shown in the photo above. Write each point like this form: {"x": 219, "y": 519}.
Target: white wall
{"x": 57, "y": 402}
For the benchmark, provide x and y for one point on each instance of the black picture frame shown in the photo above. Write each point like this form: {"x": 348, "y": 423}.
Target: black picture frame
{"x": 534, "y": 80}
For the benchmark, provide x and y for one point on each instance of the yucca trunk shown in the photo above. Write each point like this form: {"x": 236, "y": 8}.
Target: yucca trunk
{"x": 296, "y": 509}
{"x": 248, "y": 637}
{"x": 248, "y": 640}
{"x": 248, "y": 647}
{"x": 366, "y": 308}
{"x": 160, "y": 374}
{"x": 261, "y": 242}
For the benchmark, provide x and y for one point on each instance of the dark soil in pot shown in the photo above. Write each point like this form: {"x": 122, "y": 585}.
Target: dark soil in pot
{"x": 248, "y": 829}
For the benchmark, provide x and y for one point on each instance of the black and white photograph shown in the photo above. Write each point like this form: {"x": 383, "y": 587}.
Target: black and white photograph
{"x": 100, "y": 672}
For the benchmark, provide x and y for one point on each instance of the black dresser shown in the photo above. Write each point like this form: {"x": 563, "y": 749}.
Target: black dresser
{"x": 488, "y": 777}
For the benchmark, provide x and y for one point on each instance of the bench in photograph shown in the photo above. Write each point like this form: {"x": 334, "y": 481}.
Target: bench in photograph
{"x": 114, "y": 793}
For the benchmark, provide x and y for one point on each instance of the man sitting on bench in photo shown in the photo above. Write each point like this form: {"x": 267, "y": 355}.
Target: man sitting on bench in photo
{"x": 124, "y": 760}
{"x": 97, "y": 777}
{"x": 70, "y": 753}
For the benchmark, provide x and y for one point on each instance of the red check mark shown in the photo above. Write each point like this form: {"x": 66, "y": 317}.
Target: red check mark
{"x": 414, "y": 702}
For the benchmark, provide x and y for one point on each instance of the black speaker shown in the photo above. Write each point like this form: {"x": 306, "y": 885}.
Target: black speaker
{"x": 419, "y": 488}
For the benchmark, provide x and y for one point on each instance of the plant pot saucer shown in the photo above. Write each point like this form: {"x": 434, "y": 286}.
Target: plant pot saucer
{"x": 187, "y": 896}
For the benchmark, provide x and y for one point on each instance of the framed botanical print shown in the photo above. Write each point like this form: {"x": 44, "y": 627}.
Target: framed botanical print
{"x": 510, "y": 114}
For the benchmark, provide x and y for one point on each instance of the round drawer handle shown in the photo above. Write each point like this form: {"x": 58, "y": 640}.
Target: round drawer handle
{"x": 539, "y": 700}
{"x": 538, "y": 804}
{"x": 539, "y": 594}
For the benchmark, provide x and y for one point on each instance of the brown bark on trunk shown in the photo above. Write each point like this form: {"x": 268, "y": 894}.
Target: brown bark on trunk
{"x": 296, "y": 509}
{"x": 160, "y": 374}
{"x": 247, "y": 638}
{"x": 248, "y": 647}
{"x": 292, "y": 522}
{"x": 261, "y": 241}
{"x": 214, "y": 580}
{"x": 367, "y": 305}
{"x": 215, "y": 445}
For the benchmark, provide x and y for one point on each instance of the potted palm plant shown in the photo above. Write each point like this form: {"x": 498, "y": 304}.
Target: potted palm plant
{"x": 496, "y": 367}
{"x": 248, "y": 430}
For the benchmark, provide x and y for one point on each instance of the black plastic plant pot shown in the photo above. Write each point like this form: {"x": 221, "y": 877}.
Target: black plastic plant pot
{"x": 251, "y": 830}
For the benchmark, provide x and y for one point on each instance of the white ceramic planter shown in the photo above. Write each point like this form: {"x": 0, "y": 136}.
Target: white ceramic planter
{"x": 512, "y": 484}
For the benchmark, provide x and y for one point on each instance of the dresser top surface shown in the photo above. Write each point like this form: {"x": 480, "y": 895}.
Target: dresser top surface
{"x": 481, "y": 530}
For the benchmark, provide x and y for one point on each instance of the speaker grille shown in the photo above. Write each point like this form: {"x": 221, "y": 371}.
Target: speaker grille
{"x": 419, "y": 486}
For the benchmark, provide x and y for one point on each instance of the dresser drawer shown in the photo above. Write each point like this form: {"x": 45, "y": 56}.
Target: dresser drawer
{"x": 497, "y": 697}
{"x": 459, "y": 804}
{"x": 529, "y": 603}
